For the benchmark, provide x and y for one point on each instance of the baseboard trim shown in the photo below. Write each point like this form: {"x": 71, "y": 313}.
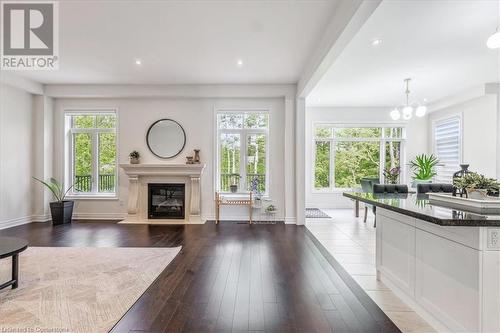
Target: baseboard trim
{"x": 15, "y": 222}
{"x": 99, "y": 216}
{"x": 290, "y": 220}
{"x": 41, "y": 218}
{"x": 245, "y": 218}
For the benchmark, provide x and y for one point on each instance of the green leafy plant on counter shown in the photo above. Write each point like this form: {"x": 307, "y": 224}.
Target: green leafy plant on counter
{"x": 476, "y": 181}
{"x": 424, "y": 167}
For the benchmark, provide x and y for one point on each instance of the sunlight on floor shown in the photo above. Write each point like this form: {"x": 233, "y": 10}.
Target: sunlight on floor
{"x": 352, "y": 244}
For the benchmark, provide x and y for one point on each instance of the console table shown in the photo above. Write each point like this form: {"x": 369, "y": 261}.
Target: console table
{"x": 220, "y": 201}
{"x": 11, "y": 247}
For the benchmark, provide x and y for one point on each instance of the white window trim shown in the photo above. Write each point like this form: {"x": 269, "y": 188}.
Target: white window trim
{"x": 244, "y": 132}
{"x": 68, "y": 167}
{"x": 443, "y": 119}
{"x": 382, "y": 140}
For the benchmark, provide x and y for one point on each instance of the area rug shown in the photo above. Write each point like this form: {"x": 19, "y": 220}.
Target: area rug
{"x": 316, "y": 213}
{"x": 69, "y": 289}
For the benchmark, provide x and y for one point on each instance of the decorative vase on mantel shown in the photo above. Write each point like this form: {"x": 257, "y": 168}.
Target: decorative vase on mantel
{"x": 196, "y": 156}
{"x": 134, "y": 160}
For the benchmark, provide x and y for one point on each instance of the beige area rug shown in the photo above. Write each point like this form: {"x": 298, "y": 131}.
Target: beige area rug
{"x": 69, "y": 289}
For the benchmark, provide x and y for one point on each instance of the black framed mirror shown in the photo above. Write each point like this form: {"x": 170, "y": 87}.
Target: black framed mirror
{"x": 166, "y": 138}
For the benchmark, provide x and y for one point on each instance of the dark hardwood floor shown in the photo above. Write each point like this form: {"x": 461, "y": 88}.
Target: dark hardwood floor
{"x": 230, "y": 277}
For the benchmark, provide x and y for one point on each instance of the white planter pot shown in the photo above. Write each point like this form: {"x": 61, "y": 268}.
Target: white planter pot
{"x": 477, "y": 194}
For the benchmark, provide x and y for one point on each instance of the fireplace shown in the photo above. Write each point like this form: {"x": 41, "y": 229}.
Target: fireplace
{"x": 166, "y": 201}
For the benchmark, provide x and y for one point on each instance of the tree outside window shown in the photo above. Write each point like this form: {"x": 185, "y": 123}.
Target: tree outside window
{"x": 345, "y": 155}
{"x": 92, "y": 160}
{"x": 243, "y": 150}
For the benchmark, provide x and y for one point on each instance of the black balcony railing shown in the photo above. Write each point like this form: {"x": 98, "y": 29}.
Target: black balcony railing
{"x": 84, "y": 183}
{"x": 227, "y": 179}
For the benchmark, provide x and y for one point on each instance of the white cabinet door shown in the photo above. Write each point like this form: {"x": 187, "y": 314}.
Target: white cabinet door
{"x": 396, "y": 252}
{"x": 448, "y": 281}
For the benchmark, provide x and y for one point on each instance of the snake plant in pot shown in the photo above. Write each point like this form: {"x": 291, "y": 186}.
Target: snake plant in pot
{"x": 424, "y": 168}
{"x": 61, "y": 209}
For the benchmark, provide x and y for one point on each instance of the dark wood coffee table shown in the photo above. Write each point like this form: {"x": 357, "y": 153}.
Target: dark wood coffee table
{"x": 11, "y": 247}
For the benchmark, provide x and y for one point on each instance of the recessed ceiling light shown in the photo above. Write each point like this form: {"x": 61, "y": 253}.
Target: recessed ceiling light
{"x": 239, "y": 62}
{"x": 138, "y": 62}
{"x": 376, "y": 42}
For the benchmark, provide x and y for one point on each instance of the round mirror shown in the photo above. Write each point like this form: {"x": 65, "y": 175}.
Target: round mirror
{"x": 166, "y": 138}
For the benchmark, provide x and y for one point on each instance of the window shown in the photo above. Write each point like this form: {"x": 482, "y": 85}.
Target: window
{"x": 447, "y": 147}
{"x": 91, "y": 152}
{"x": 345, "y": 154}
{"x": 243, "y": 152}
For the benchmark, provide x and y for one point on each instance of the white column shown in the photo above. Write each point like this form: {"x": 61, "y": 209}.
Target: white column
{"x": 300, "y": 157}
{"x": 195, "y": 204}
{"x": 43, "y": 154}
{"x": 133, "y": 194}
{"x": 289, "y": 158}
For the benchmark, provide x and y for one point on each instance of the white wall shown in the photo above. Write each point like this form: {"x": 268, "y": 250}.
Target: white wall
{"x": 479, "y": 131}
{"x": 16, "y": 151}
{"x": 197, "y": 117}
{"x": 416, "y": 132}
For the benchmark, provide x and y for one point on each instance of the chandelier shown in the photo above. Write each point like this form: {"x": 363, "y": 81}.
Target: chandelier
{"x": 406, "y": 111}
{"x": 494, "y": 41}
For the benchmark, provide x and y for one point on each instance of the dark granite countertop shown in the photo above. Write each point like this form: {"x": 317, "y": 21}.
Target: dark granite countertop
{"x": 419, "y": 206}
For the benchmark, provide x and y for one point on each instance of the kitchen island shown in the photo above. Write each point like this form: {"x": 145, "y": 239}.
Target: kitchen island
{"x": 443, "y": 261}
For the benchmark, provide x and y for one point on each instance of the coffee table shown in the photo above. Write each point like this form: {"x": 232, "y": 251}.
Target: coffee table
{"x": 11, "y": 247}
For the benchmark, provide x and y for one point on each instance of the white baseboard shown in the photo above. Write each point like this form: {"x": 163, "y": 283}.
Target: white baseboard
{"x": 244, "y": 218}
{"x": 15, "y": 222}
{"x": 99, "y": 216}
{"x": 40, "y": 218}
{"x": 290, "y": 220}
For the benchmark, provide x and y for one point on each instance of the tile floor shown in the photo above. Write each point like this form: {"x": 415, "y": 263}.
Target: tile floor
{"x": 352, "y": 244}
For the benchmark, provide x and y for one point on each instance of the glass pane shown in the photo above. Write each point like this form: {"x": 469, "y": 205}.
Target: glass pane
{"x": 355, "y": 160}
{"x": 323, "y": 132}
{"x": 392, "y": 154}
{"x": 322, "y": 165}
{"x": 107, "y": 162}
{"x": 256, "y": 120}
{"x": 394, "y": 132}
{"x": 256, "y": 163}
{"x": 106, "y": 121}
{"x": 83, "y": 121}
{"x": 229, "y": 161}
{"x": 230, "y": 120}
{"x": 358, "y": 132}
{"x": 83, "y": 162}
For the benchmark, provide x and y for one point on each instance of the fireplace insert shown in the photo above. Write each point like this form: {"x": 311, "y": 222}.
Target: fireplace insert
{"x": 166, "y": 201}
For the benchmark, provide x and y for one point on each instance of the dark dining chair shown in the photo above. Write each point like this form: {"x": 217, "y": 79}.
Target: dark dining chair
{"x": 435, "y": 188}
{"x": 389, "y": 189}
{"x": 367, "y": 187}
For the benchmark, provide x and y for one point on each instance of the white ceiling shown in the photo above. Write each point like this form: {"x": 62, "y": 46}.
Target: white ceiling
{"x": 440, "y": 44}
{"x": 186, "y": 42}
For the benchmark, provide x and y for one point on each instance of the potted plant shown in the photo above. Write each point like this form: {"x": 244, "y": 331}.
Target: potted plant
{"x": 476, "y": 185}
{"x": 134, "y": 157}
{"x": 235, "y": 180}
{"x": 271, "y": 209}
{"x": 424, "y": 168}
{"x": 61, "y": 210}
{"x": 391, "y": 175}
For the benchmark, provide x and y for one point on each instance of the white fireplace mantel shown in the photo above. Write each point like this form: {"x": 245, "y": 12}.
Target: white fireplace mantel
{"x": 191, "y": 171}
